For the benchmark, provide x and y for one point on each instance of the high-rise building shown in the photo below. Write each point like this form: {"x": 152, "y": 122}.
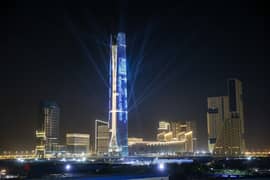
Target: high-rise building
{"x": 118, "y": 108}
{"x": 236, "y": 115}
{"x": 101, "y": 137}
{"x": 217, "y": 115}
{"x": 50, "y": 112}
{"x": 77, "y": 143}
{"x": 225, "y": 122}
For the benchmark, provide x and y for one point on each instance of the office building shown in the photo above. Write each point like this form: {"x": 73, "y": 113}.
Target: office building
{"x": 48, "y": 130}
{"x": 192, "y": 126}
{"x": 139, "y": 147}
{"x": 77, "y": 143}
{"x": 40, "y": 144}
{"x": 164, "y": 131}
{"x": 118, "y": 108}
{"x": 217, "y": 115}
{"x": 177, "y": 132}
{"x": 134, "y": 140}
{"x": 101, "y": 137}
{"x": 164, "y": 126}
{"x": 236, "y": 116}
{"x": 225, "y": 122}
{"x": 176, "y": 128}
{"x": 189, "y": 142}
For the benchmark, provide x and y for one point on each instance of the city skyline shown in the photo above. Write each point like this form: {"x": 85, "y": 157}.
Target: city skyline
{"x": 59, "y": 58}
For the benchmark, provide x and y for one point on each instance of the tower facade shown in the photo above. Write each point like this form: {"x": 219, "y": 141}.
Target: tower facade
{"x": 236, "y": 115}
{"x": 225, "y": 122}
{"x": 217, "y": 118}
{"x": 118, "y": 109}
{"x": 50, "y": 112}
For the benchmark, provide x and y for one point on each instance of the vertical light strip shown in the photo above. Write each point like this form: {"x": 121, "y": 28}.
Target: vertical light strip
{"x": 114, "y": 88}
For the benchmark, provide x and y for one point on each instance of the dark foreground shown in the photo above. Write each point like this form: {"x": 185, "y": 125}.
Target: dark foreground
{"x": 250, "y": 169}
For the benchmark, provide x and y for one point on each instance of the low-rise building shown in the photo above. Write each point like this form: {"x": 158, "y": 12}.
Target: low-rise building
{"x": 77, "y": 143}
{"x": 101, "y": 137}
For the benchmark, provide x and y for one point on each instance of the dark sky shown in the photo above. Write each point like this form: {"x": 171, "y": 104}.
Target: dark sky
{"x": 178, "y": 55}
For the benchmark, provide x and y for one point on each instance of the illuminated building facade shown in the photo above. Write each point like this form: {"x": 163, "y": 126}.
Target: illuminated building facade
{"x": 50, "y": 112}
{"x": 77, "y": 143}
{"x": 101, "y": 137}
{"x": 225, "y": 122}
{"x": 157, "y": 147}
{"x": 217, "y": 116}
{"x": 236, "y": 116}
{"x": 189, "y": 147}
{"x": 118, "y": 109}
{"x": 177, "y": 132}
{"x": 176, "y": 128}
{"x": 134, "y": 140}
{"x": 40, "y": 144}
{"x": 192, "y": 126}
{"x": 164, "y": 126}
{"x": 164, "y": 131}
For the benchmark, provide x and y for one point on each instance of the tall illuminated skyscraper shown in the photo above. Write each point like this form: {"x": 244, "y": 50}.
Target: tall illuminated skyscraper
{"x": 118, "y": 109}
{"x": 225, "y": 122}
{"x": 50, "y": 112}
{"x": 236, "y": 115}
{"x": 217, "y": 119}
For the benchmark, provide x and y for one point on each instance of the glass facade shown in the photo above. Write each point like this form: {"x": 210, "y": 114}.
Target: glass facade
{"x": 118, "y": 42}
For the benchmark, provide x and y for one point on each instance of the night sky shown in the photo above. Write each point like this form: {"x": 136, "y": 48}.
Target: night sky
{"x": 178, "y": 55}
